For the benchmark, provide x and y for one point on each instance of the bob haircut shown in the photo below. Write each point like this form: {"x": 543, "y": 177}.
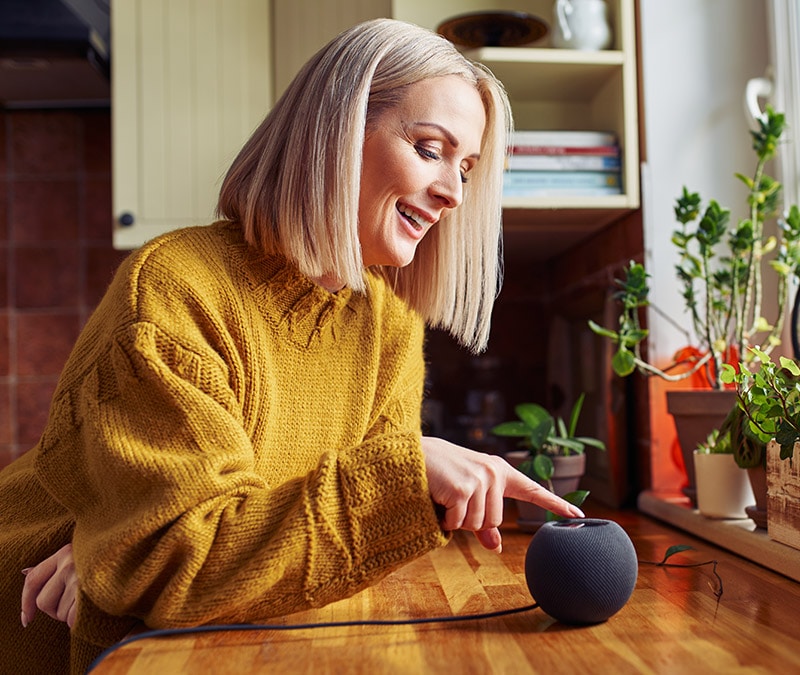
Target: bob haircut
{"x": 294, "y": 186}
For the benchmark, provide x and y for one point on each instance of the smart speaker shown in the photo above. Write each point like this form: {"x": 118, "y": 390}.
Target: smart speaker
{"x": 581, "y": 571}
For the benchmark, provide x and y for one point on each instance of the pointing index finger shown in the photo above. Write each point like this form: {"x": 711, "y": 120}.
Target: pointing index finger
{"x": 519, "y": 486}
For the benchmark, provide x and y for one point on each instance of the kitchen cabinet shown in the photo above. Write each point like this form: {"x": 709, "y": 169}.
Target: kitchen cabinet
{"x": 191, "y": 79}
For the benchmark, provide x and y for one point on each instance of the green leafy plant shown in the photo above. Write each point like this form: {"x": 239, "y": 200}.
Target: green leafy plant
{"x": 768, "y": 396}
{"x": 733, "y": 437}
{"x": 720, "y": 274}
{"x": 545, "y": 437}
{"x": 716, "y": 443}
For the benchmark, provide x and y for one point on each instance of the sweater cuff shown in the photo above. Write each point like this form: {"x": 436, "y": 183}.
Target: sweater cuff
{"x": 392, "y": 515}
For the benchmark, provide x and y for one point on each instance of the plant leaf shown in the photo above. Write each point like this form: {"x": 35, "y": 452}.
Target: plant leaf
{"x": 594, "y": 442}
{"x": 543, "y": 467}
{"x": 605, "y": 332}
{"x": 575, "y": 414}
{"x": 672, "y": 550}
{"x": 623, "y": 362}
{"x": 577, "y": 497}
{"x": 513, "y": 429}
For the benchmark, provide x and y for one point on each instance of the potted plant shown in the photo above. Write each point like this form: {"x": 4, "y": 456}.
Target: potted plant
{"x": 768, "y": 395}
{"x": 553, "y": 455}
{"x": 723, "y": 491}
{"x": 720, "y": 273}
{"x": 750, "y": 454}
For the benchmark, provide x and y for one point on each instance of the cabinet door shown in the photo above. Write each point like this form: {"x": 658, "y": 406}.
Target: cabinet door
{"x": 304, "y": 26}
{"x": 191, "y": 80}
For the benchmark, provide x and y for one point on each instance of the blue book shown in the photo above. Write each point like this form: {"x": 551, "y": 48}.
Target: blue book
{"x": 561, "y": 183}
{"x": 563, "y": 163}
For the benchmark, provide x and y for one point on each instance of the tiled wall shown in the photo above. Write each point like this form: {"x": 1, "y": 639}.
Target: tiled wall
{"x": 56, "y": 257}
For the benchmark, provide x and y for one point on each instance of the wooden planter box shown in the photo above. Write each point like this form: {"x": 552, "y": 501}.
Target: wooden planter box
{"x": 783, "y": 496}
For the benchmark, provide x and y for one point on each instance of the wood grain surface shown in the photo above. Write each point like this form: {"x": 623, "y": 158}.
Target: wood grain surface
{"x": 673, "y": 622}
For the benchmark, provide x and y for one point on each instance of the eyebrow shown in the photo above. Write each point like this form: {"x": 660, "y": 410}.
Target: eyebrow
{"x": 452, "y": 140}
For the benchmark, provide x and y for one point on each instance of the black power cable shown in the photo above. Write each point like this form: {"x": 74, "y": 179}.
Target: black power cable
{"x": 167, "y": 632}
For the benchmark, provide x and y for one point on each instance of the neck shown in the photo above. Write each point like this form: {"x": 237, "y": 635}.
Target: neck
{"x": 329, "y": 282}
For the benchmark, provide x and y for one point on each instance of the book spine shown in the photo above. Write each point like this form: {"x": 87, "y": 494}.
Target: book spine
{"x": 564, "y": 138}
{"x": 561, "y": 179}
{"x": 564, "y": 162}
{"x": 602, "y": 150}
{"x": 561, "y": 192}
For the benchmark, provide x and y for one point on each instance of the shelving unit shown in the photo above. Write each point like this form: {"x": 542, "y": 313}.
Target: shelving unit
{"x": 739, "y": 536}
{"x": 569, "y": 89}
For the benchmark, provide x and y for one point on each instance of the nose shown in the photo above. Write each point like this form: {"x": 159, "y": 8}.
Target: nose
{"x": 449, "y": 188}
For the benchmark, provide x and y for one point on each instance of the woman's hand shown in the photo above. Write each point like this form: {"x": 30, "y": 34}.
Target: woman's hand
{"x": 471, "y": 485}
{"x": 52, "y": 586}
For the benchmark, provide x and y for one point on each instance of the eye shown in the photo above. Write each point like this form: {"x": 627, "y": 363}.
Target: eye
{"x": 422, "y": 151}
{"x": 464, "y": 177}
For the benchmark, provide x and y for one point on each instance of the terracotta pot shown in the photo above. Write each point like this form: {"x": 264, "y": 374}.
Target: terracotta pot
{"x": 723, "y": 489}
{"x": 568, "y": 470}
{"x": 697, "y": 412}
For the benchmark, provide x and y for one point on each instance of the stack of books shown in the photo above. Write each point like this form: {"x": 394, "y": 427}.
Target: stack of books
{"x": 563, "y": 164}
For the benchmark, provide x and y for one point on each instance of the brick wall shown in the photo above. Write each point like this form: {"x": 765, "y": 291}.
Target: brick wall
{"x": 56, "y": 257}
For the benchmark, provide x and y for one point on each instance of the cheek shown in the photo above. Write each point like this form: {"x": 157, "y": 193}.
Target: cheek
{"x": 381, "y": 187}
{"x": 389, "y": 171}
{"x": 367, "y": 199}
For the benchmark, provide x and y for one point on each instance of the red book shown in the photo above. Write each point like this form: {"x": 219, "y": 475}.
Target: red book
{"x": 602, "y": 150}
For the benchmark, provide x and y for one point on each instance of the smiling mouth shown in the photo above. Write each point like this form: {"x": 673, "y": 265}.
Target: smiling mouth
{"x": 416, "y": 220}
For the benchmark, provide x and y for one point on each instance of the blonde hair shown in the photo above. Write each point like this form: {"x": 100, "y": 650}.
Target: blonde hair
{"x": 294, "y": 186}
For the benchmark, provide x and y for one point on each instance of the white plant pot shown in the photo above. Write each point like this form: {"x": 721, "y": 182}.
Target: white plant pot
{"x": 723, "y": 489}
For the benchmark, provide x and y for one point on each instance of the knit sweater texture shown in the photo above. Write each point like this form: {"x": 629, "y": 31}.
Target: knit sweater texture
{"x": 228, "y": 442}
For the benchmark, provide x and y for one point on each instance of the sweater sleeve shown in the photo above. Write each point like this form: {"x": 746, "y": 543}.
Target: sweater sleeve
{"x": 174, "y": 525}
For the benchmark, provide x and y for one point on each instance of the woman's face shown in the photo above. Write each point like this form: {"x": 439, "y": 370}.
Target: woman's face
{"x": 417, "y": 157}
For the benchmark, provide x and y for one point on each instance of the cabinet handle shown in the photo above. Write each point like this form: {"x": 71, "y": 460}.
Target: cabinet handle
{"x": 126, "y": 219}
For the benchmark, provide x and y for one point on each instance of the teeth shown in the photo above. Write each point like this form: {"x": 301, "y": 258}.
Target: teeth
{"x": 418, "y": 219}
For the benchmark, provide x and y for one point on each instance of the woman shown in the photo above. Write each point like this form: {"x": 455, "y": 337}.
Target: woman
{"x": 236, "y": 435}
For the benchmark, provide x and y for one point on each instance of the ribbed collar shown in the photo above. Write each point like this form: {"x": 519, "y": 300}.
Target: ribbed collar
{"x": 309, "y": 314}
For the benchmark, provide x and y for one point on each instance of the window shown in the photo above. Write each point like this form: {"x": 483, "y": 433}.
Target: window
{"x": 784, "y": 26}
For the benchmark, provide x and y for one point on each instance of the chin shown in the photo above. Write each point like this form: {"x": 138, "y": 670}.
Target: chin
{"x": 398, "y": 258}
{"x": 404, "y": 261}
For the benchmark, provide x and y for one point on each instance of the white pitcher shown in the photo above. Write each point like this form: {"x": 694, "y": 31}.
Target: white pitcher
{"x": 581, "y": 24}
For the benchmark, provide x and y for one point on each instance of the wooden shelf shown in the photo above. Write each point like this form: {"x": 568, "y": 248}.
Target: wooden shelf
{"x": 739, "y": 536}
{"x": 559, "y": 74}
{"x": 539, "y": 234}
{"x": 571, "y": 90}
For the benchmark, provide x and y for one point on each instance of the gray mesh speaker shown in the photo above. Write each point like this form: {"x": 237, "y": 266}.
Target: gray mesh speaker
{"x": 581, "y": 571}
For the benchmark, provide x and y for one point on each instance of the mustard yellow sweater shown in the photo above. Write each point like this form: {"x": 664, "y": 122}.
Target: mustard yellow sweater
{"x": 228, "y": 442}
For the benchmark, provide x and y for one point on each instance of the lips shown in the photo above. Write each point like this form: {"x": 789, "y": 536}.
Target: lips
{"x": 417, "y": 220}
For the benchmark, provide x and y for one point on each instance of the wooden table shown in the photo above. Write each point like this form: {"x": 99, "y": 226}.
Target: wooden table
{"x": 672, "y": 623}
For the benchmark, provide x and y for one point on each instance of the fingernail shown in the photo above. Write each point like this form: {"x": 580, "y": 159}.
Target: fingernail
{"x": 24, "y": 619}
{"x": 26, "y": 570}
